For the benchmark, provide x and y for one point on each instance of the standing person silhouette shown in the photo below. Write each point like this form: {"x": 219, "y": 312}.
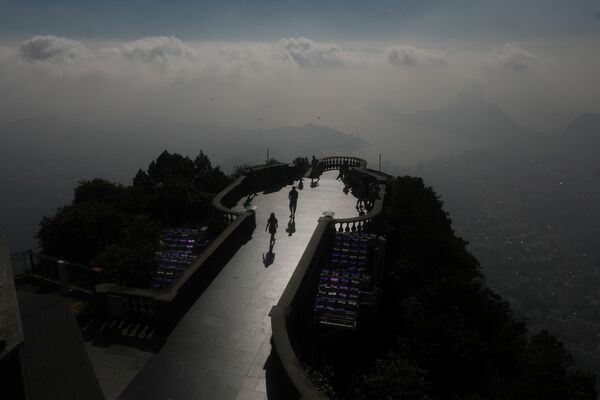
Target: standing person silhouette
{"x": 314, "y": 172}
{"x": 293, "y": 196}
{"x": 344, "y": 168}
{"x": 272, "y": 227}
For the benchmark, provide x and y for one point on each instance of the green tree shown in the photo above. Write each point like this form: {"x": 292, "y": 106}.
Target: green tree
{"x": 172, "y": 166}
{"x": 131, "y": 261}
{"x": 79, "y": 231}
{"x": 453, "y": 326}
{"x": 100, "y": 190}
{"x": 118, "y": 227}
{"x": 208, "y": 178}
{"x": 391, "y": 378}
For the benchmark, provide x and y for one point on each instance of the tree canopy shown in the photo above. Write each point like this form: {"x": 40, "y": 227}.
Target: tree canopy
{"x": 441, "y": 332}
{"x": 117, "y": 227}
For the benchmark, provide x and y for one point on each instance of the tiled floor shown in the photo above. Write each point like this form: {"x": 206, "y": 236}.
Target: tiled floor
{"x": 219, "y": 349}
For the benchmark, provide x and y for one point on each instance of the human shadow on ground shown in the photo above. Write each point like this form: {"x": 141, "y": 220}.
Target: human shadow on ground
{"x": 269, "y": 257}
{"x": 291, "y": 228}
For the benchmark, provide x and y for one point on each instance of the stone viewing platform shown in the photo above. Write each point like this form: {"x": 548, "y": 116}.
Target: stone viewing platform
{"x": 235, "y": 314}
{"x": 220, "y": 348}
{"x": 341, "y": 300}
{"x": 210, "y": 320}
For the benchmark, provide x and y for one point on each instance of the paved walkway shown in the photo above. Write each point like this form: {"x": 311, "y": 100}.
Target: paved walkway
{"x": 116, "y": 366}
{"x": 219, "y": 349}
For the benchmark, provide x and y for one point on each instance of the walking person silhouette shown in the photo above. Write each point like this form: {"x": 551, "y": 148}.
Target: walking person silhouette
{"x": 293, "y": 196}
{"x": 272, "y": 227}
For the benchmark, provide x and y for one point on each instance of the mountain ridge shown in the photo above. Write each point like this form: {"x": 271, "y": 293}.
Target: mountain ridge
{"x": 471, "y": 116}
{"x": 43, "y": 158}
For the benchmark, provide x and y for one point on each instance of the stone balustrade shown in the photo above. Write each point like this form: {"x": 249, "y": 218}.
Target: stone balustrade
{"x": 291, "y": 316}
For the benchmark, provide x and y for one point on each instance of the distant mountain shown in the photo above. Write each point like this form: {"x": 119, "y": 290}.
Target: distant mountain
{"x": 286, "y": 143}
{"x": 41, "y": 159}
{"x": 578, "y": 145}
{"x": 135, "y": 141}
{"x": 471, "y": 117}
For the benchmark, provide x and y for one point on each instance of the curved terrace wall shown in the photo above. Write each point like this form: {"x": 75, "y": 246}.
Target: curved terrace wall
{"x": 289, "y": 318}
{"x": 238, "y": 225}
{"x": 370, "y": 220}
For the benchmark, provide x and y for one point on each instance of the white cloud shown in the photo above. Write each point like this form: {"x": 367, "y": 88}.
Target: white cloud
{"x": 288, "y": 81}
{"x": 52, "y": 48}
{"x": 172, "y": 58}
{"x": 409, "y": 56}
{"x": 510, "y": 57}
{"x": 158, "y": 48}
{"x": 307, "y": 53}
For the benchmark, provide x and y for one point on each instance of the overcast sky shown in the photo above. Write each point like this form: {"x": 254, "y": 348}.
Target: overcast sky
{"x": 265, "y": 64}
{"x": 271, "y": 63}
{"x": 272, "y": 19}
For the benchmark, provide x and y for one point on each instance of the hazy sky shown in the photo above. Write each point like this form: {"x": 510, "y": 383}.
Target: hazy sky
{"x": 267, "y": 20}
{"x": 270, "y": 63}
{"x": 263, "y": 64}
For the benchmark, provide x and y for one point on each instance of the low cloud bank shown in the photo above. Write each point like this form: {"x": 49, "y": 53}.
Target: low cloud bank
{"x": 410, "y": 56}
{"x": 169, "y": 50}
{"x": 52, "y": 48}
{"x": 307, "y": 53}
{"x": 511, "y": 57}
{"x": 291, "y": 81}
{"x": 161, "y": 48}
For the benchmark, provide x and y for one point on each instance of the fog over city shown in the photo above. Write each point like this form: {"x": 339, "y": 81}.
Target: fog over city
{"x": 494, "y": 104}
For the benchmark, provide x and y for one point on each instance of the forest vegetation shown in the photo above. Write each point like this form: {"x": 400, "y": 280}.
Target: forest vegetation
{"x": 441, "y": 333}
{"x": 117, "y": 227}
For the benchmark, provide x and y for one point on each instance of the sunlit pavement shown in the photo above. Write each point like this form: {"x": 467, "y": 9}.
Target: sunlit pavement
{"x": 220, "y": 347}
